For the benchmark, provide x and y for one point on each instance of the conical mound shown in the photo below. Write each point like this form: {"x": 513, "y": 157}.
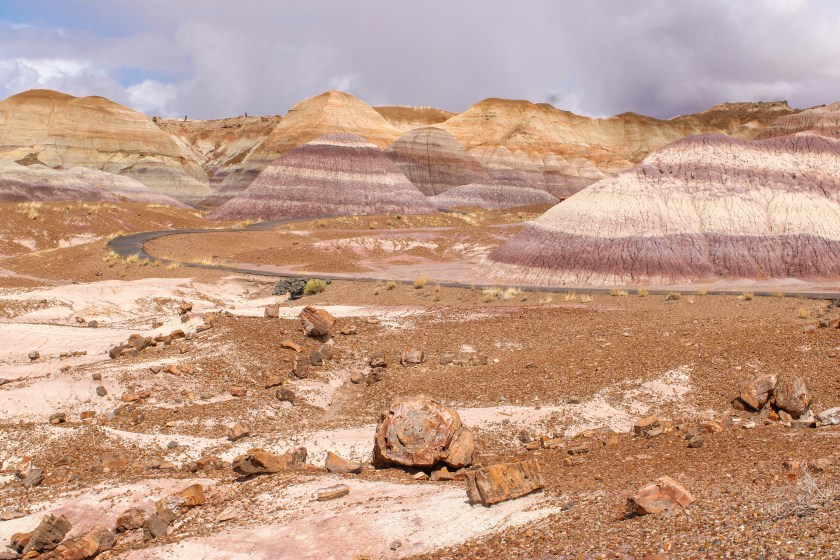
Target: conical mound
{"x": 60, "y": 130}
{"x": 702, "y": 208}
{"x": 435, "y": 161}
{"x": 334, "y": 175}
{"x": 491, "y": 196}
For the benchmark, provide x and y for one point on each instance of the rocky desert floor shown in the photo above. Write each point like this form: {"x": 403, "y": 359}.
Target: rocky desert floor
{"x": 563, "y": 378}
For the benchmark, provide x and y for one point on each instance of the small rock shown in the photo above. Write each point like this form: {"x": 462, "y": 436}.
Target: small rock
{"x": 822, "y": 464}
{"x": 46, "y": 536}
{"x": 315, "y": 358}
{"x": 238, "y": 431}
{"x": 348, "y": 330}
{"x": 695, "y": 442}
{"x": 101, "y": 391}
{"x": 665, "y": 494}
{"x": 93, "y": 324}
{"x": 830, "y": 417}
{"x": 300, "y": 368}
{"x": 505, "y": 481}
{"x": 34, "y": 355}
{"x": 172, "y": 445}
{"x": 651, "y": 426}
{"x": 184, "y": 308}
{"x": 260, "y": 461}
{"x": 155, "y": 369}
{"x": 332, "y": 492}
{"x": 285, "y": 394}
{"x": 238, "y": 391}
{"x": 155, "y": 527}
{"x": 420, "y": 476}
{"x": 412, "y": 357}
{"x": 357, "y": 377}
{"x": 337, "y": 465}
{"x": 131, "y": 519}
{"x": 445, "y": 359}
{"x": 327, "y": 351}
{"x": 58, "y": 418}
{"x": 378, "y": 360}
{"x": 34, "y": 477}
{"x": 272, "y": 311}
{"x": 291, "y": 345}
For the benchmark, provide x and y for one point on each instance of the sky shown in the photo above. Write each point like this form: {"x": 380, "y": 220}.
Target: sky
{"x": 218, "y": 58}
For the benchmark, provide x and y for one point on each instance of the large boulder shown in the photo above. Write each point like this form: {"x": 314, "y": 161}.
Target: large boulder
{"x": 505, "y": 481}
{"x": 665, "y": 494}
{"x": 260, "y": 461}
{"x": 421, "y": 433}
{"x": 316, "y": 322}
{"x": 793, "y": 396}
{"x": 45, "y": 537}
{"x": 757, "y": 391}
{"x": 95, "y": 541}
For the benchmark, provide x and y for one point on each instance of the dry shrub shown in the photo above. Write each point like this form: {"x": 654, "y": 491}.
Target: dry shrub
{"x": 747, "y": 296}
{"x": 390, "y": 285}
{"x": 615, "y": 292}
{"x": 570, "y": 296}
{"x": 644, "y": 292}
{"x": 803, "y": 498}
{"x": 804, "y": 313}
{"x": 420, "y": 282}
{"x": 778, "y": 294}
{"x": 586, "y": 298}
{"x": 673, "y": 296}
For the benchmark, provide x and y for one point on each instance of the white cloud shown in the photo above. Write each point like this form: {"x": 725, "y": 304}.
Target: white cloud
{"x": 153, "y": 97}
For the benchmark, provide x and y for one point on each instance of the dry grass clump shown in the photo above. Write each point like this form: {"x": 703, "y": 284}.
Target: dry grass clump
{"x": 390, "y": 285}
{"x": 778, "y": 294}
{"x": 644, "y": 292}
{"x": 673, "y": 296}
{"x": 586, "y": 298}
{"x": 702, "y": 292}
{"x": 314, "y": 286}
{"x": 547, "y": 300}
{"x": 173, "y": 265}
{"x": 570, "y": 296}
{"x": 420, "y": 282}
{"x": 615, "y": 292}
{"x": 746, "y": 296}
{"x": 133, "y": 259}
{"x": 804, "y": 313}
{"x": 802, "y": 499}
{"x": 30, "y": 209}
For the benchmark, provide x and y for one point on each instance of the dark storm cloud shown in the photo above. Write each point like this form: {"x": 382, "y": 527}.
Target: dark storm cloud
{"x": 212, "y": 58}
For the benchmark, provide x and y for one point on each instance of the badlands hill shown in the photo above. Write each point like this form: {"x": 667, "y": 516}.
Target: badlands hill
{"x": 703, "y": 208}
{"x": 331, "y": 112}
{"x": 435, "y": 161}
{"x": 62, "y": 131}
{"x": 492, "y": 196}
{"x": 823, "y": 120}
{"x": 540, "y": 145}
{"x": 220, "y": 145}
{"x": 39, "y": 183}
{"x": 334, "y": 175}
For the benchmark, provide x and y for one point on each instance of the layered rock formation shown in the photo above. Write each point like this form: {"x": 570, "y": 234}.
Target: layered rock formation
{"x": 335, "y": 175}
{"x": 220, "y": 145}
{"x": 435, "y": 161}
{"x": 40, "y": 183}
{"x": 63, "y": 131}
{"x": 702, "y": 208}
{"x": 491, "y": 196}
{"x": 540, "y": 146}
{"x": 407, "y": 118}
{"x": 823, "y": 120}
{"x": 329, "y": 113}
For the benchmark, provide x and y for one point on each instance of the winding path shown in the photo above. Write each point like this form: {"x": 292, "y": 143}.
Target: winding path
{"x": 134, "y": 244}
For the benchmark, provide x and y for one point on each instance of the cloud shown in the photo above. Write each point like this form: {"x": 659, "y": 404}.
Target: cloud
{"x": 214, "y": 58}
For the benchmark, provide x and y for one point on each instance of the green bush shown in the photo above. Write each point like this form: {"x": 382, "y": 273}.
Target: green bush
{"x": 314, "y": 286}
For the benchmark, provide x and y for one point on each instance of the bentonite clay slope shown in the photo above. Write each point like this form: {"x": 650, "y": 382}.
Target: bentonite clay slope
{"x": 331, "y": 112}
{"x": 492, "y": 196}
{"x": 703, "y": 208}
{"x": 824, "y": 120}
{"x": 335, "y": 175}
{"x": 408, "y": 118}
{"x": 220, "y": 145}
{"x": 39, "y": 183}
{"x": 435, "y": 161}
{"x": 60, "y": 130}
{"x": 538, "y": 145}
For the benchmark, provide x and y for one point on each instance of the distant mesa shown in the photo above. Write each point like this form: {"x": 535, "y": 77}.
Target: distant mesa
{"x": 62, "y": 131}
{"x": 703, "y": 208}
{"x": 823, "y": 120}
{"x": 37, "y": 182}
{"x": 435, "y": 161}
{"x": 491, "y": 196}
{"x": 332, "y": 112}
{"x": 334, "y": 175}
